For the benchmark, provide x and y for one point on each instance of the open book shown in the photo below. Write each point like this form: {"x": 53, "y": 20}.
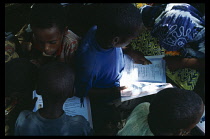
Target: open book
{"x": 72, "y": 107}
{"x": 142, "y": 80}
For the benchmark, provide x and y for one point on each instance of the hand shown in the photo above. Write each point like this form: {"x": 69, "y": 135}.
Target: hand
{"x": 125, "y": 91}
{"x": 121, "y": 88}
{"x": 174, "y": 63}
{"x": 139, "y": 58}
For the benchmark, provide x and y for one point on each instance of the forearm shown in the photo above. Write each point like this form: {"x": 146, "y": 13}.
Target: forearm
{"x": 126, "y": 50}
{"x": 194, "y": 63}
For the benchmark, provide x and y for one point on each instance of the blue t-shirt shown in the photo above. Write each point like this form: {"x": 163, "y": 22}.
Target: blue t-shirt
{"x": 178, "y": 26}
{"x": 31, "y": 123}
{"x": 97, "y": 67}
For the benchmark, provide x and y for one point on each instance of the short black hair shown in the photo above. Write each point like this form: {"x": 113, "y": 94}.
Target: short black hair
{"x": 47, "y": 15}
{"x": 173, "y": 109}
{"x": 20, "y": 76}
{"x": 55, "y": 81}
{"x": 118, "y": 19}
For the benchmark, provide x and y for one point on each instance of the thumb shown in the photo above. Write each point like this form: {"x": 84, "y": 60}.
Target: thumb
{"x": 122, "y": 88}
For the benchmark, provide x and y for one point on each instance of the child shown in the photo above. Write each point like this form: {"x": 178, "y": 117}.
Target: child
{"x": 46, "y": 37}
{"x": 99, "y": 58}
{"x": 176, "y": 30}
{"x": 19, "y": 84}
{"x": 178, "y": 27}
{"x": 172, "y": 112}
{"x": 55, "y": 83}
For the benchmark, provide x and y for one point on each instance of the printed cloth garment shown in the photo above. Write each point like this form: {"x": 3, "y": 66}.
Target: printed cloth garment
{"x": 137, "y": 123}
{"x": 184, "y": 78}
{"x": 178, "y": 27}
{"x": 10, "y": 52}
{"x": 150, "y": 43}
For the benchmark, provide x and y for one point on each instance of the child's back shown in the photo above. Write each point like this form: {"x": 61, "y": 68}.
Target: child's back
{"x": 55, "y": 83}
{"x": 172, "y": 112}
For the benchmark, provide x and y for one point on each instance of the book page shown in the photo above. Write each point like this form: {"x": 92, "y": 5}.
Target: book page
{"x": 154, "y": 72}
{"x": 141, "y": 80}
{"x": 140, "y": 89}
{"x": 71, "y": 106}
{"x": 39, "y": 102}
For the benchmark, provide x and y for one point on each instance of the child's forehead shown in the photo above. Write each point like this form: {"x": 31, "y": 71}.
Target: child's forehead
{"x": 47, "y": 33}
{"x": 51, "y": 30}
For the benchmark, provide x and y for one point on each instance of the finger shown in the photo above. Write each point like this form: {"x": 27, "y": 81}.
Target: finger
{"x": 147, "y": 62}
{"x": 122, "y": 87}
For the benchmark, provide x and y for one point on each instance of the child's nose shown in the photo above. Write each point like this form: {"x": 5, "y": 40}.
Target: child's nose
{"x": 46, "y": 47}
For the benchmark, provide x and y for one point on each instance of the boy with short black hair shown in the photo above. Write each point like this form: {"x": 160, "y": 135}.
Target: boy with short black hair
{"x": 47, "y": 37}
{"x": 99, "y": 58}
{"x": 55, "y": 84}
{"x": 172, "y": 112}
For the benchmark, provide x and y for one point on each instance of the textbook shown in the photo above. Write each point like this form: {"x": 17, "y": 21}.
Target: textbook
{"x": 142, "y": 80}
{"x": 72, "y": 107}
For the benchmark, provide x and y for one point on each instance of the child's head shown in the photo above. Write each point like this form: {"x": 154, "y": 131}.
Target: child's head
{"x": 49, "y": 27}
{"x": 174, "y": 111}
{"x": 55, "y": 82}
{"x": 118, "y": 24}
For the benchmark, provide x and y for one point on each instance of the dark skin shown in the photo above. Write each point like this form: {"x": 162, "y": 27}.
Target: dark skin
{"x": 47, "y": 41}
{"x": 53, "y": 107}
{"x": 186, "y": 131}
{"x": 124, "y": 43}
{"x": 174, "y": 63}
{"x": 137, "y": 56}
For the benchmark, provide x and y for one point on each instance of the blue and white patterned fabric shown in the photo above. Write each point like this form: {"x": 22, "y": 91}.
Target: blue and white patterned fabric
{"x": 178, "y": 27}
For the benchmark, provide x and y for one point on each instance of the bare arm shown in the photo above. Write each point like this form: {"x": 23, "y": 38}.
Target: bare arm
{"x": 174, "y": 63}
{"x": 137, "y": 56}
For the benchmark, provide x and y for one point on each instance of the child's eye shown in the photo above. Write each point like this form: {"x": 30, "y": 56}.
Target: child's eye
{"x": 53, "y": 42}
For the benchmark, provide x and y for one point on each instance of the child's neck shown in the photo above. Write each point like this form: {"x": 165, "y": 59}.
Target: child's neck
{"x": 103, "y": 43}
{"x": 51, "y": 112}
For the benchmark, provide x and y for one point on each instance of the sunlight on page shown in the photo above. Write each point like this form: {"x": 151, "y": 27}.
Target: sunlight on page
{"x": 141, "y": 80}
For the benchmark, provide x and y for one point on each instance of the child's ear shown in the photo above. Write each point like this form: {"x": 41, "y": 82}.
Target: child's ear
{"x": 115, "y": 41}
{"x": 38, "y": 92}
{"x": 66, "y": 30}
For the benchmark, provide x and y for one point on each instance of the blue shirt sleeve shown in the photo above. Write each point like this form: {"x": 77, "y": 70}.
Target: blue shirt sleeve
{"x": 84, "y": 65}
